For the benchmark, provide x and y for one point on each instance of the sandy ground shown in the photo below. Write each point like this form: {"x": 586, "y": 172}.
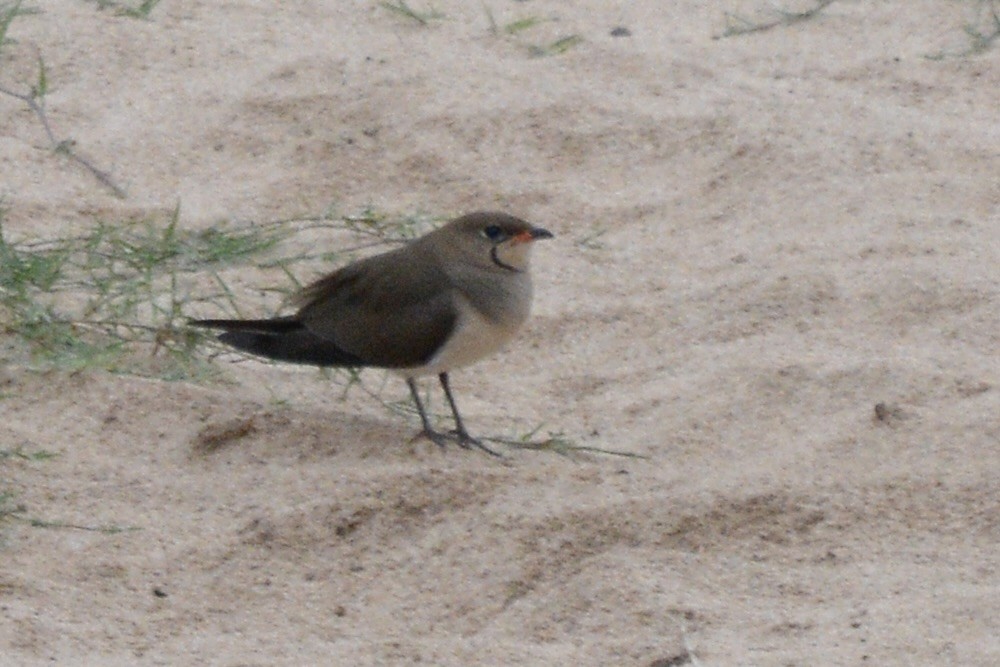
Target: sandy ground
{"x": 759, "y": 238}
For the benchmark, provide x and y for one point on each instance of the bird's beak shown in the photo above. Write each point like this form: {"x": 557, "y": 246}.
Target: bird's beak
{"x": 532, "y": 235}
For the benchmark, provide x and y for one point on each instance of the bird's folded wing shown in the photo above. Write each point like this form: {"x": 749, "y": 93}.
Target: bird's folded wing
{"x": 392, "y": 310}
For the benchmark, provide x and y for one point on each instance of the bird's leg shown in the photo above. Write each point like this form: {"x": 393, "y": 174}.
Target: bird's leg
{"x": 434, "y": 436}
{"x": 461, "y": 435}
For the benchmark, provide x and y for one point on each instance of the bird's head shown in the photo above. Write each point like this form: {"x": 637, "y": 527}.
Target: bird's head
{"x": 495, "y": 240}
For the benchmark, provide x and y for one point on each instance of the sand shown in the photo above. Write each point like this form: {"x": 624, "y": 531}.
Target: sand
{"x": 759, "y": 239}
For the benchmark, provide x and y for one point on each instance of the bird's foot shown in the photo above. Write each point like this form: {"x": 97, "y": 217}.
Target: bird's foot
{"x": 466, "y": 441}
{"x": 461, "y": 438}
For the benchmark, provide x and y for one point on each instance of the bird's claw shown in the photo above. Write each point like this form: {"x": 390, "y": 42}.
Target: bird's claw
{"x": 461, "y": 438}
{"x": 466, "y": 441}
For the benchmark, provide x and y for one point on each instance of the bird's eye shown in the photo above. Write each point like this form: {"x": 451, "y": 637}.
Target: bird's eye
{"x": 493, "y": 233}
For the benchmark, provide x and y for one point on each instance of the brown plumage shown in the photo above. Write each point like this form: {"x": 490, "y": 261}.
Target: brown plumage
{"x": 441, "y": 302}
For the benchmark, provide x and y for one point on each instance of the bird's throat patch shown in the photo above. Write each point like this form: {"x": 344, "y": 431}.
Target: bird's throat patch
{"x": 499, "y": 262}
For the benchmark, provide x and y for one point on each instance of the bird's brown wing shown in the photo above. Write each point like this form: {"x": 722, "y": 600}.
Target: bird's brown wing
{"x": 394, "y": 310}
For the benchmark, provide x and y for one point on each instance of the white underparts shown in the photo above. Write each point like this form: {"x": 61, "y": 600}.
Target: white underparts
{"x": 475, "y": 337}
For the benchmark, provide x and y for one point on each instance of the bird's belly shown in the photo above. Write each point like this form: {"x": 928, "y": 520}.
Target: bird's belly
{"x": 475, "y": 337}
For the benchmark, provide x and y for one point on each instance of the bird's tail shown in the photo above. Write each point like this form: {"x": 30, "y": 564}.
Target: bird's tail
{"x": 280, "y": 339}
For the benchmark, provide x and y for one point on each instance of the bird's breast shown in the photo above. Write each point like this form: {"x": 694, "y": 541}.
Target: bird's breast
{"x": 475, "y": 336}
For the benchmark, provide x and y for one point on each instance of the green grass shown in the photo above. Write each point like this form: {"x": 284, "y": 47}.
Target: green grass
{"x": 136, "y": 10}
{"x": 554, "y": 48}
{"x": 11, "y": 510}
{"x": 18, "y": 512}
{"x": 20, "y": 453}
{"x": 983, "y": 31}
{"x": 140, "y": 11}
{"x": 34, "y": 98}
{"x": 401, "y": 8}
{"x": 518, "y": 29}
{"x": 101, "y": 298}
{"x": 558, "y": 443}
{"x": 8, "y": 12}
{"x": 117, "y": 296}
{"x": 738, "y": 25}
{"x": 519, "y": 25}
{"x": 592, "y": 240}
{"x": 8, "y": 508}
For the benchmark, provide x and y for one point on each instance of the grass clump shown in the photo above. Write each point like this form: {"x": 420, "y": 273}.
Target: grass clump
{"x": 23, "y": 455}
{"x": 94, "y": 299}
{"x": 118, "y": 295}
{"x": 19, "y": 512}
{"x": 34, "y": 98}
{"x": 401, "y": 8}
{"x": 982, "y": 31}
{"x": 556, "y": 47}
{"x": 8, "y": 12}
{"x": 140, "y": 10}
{"x": 12, "y": 510}
{"x": 558, "y": 443}
{"x": 738, "y": 25}
{"x": 520, "y": 27}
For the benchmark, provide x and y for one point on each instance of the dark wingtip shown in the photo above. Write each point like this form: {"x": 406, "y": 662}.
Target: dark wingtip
{"x": 212, "y": 324}
{"x": 272, "y": 326}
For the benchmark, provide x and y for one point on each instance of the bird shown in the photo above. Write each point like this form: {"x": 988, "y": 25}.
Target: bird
{"x": 437, "y": 304}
